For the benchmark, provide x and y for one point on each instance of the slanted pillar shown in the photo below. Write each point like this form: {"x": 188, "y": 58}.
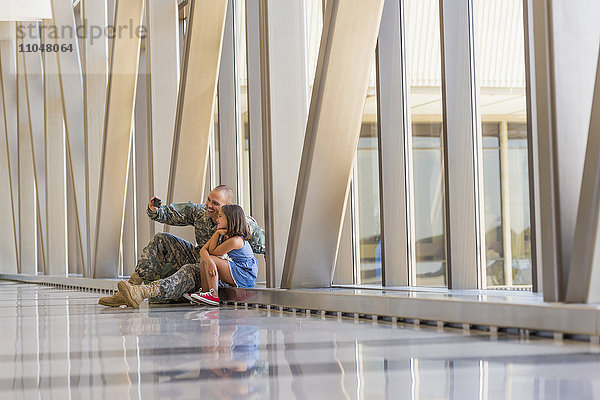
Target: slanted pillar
{"x": 116, "y": 138}
{"x": 8, "y": 246}
{"x": 95, "y": 74}
{"x": 284, "y": 109}
{"x": 195, "y": 106}
{"x": 345, "y": 58}
{"x": 584, "y": 271}
{"x": 565, "y": 57}
{"x": 56, "y": 178}
{"x": 462, "y": 148}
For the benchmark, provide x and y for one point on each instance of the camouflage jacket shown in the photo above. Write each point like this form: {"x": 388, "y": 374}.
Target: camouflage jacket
{"x": 184, "y": 214}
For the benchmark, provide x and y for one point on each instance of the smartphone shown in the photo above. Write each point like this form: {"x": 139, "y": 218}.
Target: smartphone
{"x": 156, "y": 202}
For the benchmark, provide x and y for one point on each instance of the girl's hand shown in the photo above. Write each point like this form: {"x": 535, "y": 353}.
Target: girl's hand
{"x": 212, "y": 270}
{"x": 221, "y": 232}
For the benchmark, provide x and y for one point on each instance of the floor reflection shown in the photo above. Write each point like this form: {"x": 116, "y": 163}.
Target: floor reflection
{"x": 60, "y": 344}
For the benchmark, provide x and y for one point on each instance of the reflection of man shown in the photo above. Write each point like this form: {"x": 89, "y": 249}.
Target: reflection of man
{"x": 167, "y": 254}
{"x": 230, "y": 358}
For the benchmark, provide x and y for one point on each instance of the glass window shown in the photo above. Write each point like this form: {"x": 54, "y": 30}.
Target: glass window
{"x": 213, "y": 151}
{"x": 492, "y": 200}
{"x": 314, "y": 27}
{"x": 242, "y": 90}
{"x": 425, "y": 100}
{"x": 367, "y": 191}
{"x": 366, "y": 219}
{"x": 519, "y": 215}
{"x": 500, "y": 73}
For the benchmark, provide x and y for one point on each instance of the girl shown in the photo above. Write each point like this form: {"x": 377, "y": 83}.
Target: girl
{"x": 232, "y": 261}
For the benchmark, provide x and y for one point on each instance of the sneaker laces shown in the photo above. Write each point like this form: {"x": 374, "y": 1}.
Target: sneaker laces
{"x": 211, "y": 292}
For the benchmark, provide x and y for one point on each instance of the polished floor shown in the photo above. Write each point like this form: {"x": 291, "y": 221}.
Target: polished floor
{"x": 59, "y": 344}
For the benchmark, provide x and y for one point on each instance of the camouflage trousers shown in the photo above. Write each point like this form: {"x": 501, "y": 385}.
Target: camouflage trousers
{"x": 174, "y": 262}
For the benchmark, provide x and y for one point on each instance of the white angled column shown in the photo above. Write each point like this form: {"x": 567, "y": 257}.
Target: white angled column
{"x": 345, "y": 58}
{"x": 128, "y": 243}
{"x": 229, "y": 124}
{"x": 257, "y": 193}
{"x": 565, "y": 55}
{"x": 8, "y": 246}
{"x": 26, "y": 173}
{"x": 395, "y": 139}
{"x": 71, "y": 84}
{"x": 284, "y": 108}
{"x": 8, "y": 85}
{"x": 532, "y": 145}
{"x": 8, "y": 63}
{"x": 462, "y": 148}
{"x": 95, "y": 73}
{"x": 116, "y": 138}
{"x": 195, "y": 105}
{"x": 56, "y": 178}
{"x": 584, "y": 272}
{"x": 141, "y": 155}
{"x": 164, "y": 71}
{"x": 35, "y": 101}
{"x": 74, "y": 254}
{"x": 346, "y": 258}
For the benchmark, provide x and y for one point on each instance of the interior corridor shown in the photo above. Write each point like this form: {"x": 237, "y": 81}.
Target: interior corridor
{"x": 60, "y": 344}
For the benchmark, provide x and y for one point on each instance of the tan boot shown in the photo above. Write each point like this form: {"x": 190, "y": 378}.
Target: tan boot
{"x": 135, "y": 279}
{"x": 134, "y": 295}
{"x": 117, "y": 300}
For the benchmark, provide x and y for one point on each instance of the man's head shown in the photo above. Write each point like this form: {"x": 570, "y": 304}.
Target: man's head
{"x": 217, "y": 198}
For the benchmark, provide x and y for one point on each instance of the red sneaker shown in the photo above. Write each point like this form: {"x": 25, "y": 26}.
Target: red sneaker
{"x": 206, "y": 298}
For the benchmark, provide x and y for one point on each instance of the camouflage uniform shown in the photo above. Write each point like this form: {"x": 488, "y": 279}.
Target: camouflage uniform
{"x": 175, "y": 261}
{"x": 187, "y": 279}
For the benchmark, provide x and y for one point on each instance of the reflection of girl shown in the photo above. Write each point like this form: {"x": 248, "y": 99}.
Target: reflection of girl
{"x": 226, "y": 361}
{"x": 232, "y": 261}
{"x": 237, "y": 363}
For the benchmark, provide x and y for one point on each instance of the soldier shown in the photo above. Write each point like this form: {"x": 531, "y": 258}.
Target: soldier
{"x": 170, "y": 264}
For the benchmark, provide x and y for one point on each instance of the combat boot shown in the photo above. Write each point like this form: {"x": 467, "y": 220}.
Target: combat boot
{"x": 134, "y": 295}
{"x": 117, "y": 300}
{"x": 135, "y": 279}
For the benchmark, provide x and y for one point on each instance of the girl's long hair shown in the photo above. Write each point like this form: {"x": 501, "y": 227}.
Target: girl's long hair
{"x": 236, "y": 221}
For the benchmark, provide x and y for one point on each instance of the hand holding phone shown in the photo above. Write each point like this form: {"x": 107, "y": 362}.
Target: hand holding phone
{"x": 154, "y": 203}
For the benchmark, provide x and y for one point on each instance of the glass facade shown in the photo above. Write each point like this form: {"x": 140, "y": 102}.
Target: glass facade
{"x": 493, "y": 205}
{"x": 423, "y": 60}
{"x": 430, "y": 245}
{"x": 242, "y": 92}
{"x": 213, "y": 151}
{"x": 500, "y": 73}
{"x": 367, "y": 187}
{"x": 501, "y": 108}
{"x": 314, "y": 27}
{"x": 520, "y": 205}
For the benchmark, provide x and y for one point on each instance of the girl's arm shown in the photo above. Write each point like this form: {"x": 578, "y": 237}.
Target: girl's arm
{"x": 214, "y": 240}
{"x": 205, "y": 248}
{"x": 233, "y": 243}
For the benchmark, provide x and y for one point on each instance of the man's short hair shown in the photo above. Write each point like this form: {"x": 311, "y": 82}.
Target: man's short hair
{"x": 226, "y": 191}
